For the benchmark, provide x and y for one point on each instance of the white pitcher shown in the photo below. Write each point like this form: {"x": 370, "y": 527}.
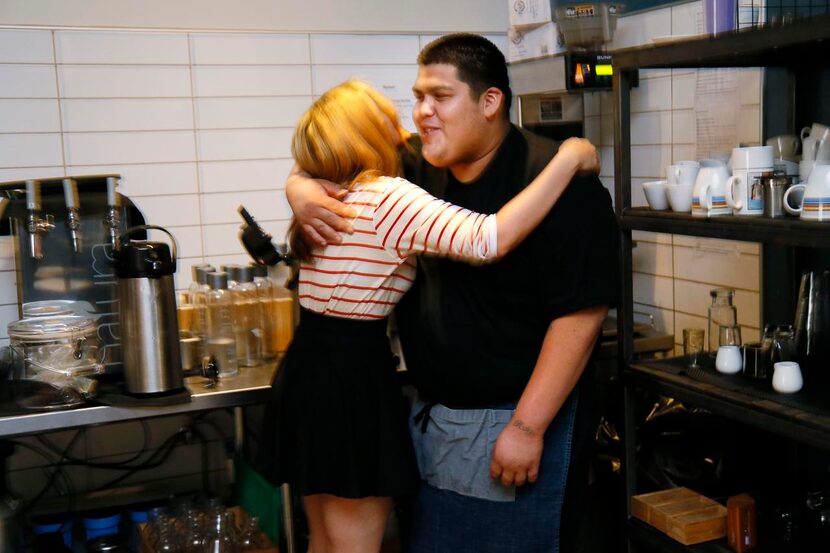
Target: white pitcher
{"x": 815, "y": 205}
{"x": 709, "y": 194}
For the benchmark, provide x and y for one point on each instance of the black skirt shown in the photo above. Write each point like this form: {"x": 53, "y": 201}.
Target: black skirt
{"x": 336, "y": 422}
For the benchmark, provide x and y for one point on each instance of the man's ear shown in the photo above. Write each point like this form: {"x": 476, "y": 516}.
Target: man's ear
{"x": 492, "y": 101}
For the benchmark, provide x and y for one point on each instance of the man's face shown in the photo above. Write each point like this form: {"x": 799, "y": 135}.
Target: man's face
{"x": 450, "y": 122}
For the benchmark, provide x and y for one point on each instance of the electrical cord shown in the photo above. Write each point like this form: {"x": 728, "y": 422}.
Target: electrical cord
{"x": 103, "y": 465}
{"x": 58, "y": 470}
{"x": 162, "y": 453}
{"x": 158, "y": 457}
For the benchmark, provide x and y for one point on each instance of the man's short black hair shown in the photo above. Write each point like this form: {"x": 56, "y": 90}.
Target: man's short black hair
{"x": 480, "y": 64}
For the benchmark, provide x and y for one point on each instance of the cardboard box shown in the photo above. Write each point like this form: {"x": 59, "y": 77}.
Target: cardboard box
{"x": 525, "y": 44}
{"x": 530, "y": 13}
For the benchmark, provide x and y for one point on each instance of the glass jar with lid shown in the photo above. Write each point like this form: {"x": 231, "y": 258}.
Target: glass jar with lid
{"x": 49, "y": 308}
{"x": 49, "y": 348}
{"x": 721, "y": 313}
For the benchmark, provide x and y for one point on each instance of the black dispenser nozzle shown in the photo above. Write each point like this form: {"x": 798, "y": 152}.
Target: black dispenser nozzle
{"x": 257, "y": 242}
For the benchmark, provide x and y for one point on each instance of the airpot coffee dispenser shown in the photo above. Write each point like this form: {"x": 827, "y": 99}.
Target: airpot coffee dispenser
{"x": 147, "y": 308}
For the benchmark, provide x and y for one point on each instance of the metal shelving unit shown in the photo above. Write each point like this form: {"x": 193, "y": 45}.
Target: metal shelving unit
{"x": 802, "y": 50}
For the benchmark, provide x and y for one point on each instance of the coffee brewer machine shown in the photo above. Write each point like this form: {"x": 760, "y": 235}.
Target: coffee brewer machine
{"x": 64, "y": 233}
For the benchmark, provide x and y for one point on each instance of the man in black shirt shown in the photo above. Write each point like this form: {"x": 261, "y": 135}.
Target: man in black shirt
{"x": 495, "y": 352}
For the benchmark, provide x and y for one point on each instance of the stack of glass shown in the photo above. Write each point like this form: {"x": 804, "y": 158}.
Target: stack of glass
{"x": 211, "y": 529}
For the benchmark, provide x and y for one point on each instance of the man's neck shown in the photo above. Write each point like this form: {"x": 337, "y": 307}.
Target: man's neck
{"x": 469, "y": 171}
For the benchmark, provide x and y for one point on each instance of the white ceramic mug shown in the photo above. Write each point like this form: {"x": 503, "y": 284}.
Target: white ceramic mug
{"x": 683, "y": 172}
{"x": 729, "y": 360}
{"x": 816, "y": 132}
{"x": 805, "y": 167}
{"x": 680, "y": 197}
{"x": 656, "y": 194}
{"x": 823, "y": 150}
{"x": 784, "y": 146}
{"x": 808, "y": 150}
{"x": 709, "y": 194}
{"x": 744, "y": 194}
{"x": 815, "y": 205}
{"x": 786, "y": 377}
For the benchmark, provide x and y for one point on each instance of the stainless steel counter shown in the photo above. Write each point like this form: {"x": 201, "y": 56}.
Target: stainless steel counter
{"x": 251, "y": 386}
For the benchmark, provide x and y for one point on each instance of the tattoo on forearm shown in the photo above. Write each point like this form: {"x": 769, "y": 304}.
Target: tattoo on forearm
{"x": 518, "y": 423}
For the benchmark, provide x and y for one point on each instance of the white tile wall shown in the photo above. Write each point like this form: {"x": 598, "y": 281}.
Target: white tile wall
{"x": 121, "y": 47}
{"x": 144, "y": 114}
{"x": 29, "y": 116}
{"x": 29, "y": 46}
{"x": 364, "y": 49}
{"x": 251, "y": 80}
{"x": 120, "y": 81}
{"x": 250, "y": 49}
{"x": 27, "y": 81}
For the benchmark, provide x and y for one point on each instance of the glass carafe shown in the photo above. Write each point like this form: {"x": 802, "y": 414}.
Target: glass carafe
{"x": 721, "y": 313}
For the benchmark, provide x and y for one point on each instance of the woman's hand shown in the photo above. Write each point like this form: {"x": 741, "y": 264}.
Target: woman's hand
{"x": 582, "y": 153}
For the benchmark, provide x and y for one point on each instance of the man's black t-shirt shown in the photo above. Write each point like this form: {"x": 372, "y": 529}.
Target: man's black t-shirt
{"x": 471, "y": 334}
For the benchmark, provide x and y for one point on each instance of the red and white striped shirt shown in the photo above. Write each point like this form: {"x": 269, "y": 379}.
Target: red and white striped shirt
{"x": 366, "y": 274}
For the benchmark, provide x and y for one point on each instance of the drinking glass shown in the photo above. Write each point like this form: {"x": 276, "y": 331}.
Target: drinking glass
{"x": 729, "y": 335}
{"x": 729, "y": 359}
{"x": 693, "y": 346}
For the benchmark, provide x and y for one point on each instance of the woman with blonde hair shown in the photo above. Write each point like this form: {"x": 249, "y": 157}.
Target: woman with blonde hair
{"x": 336, "y": 426}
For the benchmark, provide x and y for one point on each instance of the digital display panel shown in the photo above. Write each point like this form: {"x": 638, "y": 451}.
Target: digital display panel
{"x": 590, "y": 71}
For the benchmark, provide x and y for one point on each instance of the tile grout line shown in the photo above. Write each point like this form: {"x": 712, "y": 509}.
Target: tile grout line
{"x": 58, "y": 100}
{"x": 193, "y": 114}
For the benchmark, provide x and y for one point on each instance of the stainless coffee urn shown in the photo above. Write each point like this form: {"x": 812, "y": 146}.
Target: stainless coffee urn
{"x": 147, "y": 307}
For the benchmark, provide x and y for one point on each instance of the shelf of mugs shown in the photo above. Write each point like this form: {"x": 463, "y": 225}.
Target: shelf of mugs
{"x": 795, "y": 45}
{"x": 804, "y": 415}
{"x": 788, "y": 231}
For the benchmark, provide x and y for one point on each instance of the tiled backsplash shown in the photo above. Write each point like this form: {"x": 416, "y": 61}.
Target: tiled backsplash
{"x": 673, "y": 274}
{"x": 196, "y": 123}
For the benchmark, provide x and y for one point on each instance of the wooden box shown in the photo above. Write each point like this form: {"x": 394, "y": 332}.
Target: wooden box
{"x": 643, "y": 506}
{"x": 698, "y": 526}
{"x": 240, "y": 515}
{"x": 682, "y": 514}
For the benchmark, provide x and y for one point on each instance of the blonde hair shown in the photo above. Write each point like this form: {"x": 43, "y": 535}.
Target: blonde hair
{"x": 349, "y": 134}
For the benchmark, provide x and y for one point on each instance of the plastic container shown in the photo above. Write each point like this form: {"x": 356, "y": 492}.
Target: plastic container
{"x": 265, "y": 293}
{"x": 221, "y": 341}
{"x": 50, "y": 524}
{"x": 719, "y": 15}
{"x": 248, "y": 327}
{"x": 102, "y": 523}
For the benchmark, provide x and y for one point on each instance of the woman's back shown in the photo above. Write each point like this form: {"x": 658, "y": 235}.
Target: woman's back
{"x": 367, "y": 274}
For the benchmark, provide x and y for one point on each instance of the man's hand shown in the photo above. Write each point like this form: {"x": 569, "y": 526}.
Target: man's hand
{"x": 581, "y": 152}
{"x": 316, "y": 204}
{"x": 517, "y": 454}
